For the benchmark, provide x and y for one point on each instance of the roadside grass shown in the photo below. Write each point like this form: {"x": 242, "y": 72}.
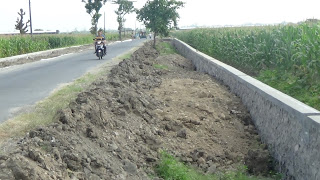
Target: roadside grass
{"x": 165, "y": 48}
{"x": 169, "y": 168}
{"x": 125, "y": 56}
{"x": 44, "y": 111}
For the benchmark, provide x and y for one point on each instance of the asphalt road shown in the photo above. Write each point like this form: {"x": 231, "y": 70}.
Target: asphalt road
{"x": 23, "y": 85}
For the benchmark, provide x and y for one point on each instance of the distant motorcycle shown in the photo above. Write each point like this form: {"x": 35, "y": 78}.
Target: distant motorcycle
{"x": 100, "y": 52}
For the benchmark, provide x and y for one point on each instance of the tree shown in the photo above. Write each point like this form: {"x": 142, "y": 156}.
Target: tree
{"x": 20, "y": 25}
{"x": 93, "y": 7}
{"x": 158, "y": 16}
{"x": 125, "y": 7}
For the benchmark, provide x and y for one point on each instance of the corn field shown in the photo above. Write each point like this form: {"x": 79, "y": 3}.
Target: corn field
{"x": 16, "y": 45}
{"x": 285, "y": 57}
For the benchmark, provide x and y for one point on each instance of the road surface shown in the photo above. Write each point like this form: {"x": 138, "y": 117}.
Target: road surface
{"x": 23, "y": 85}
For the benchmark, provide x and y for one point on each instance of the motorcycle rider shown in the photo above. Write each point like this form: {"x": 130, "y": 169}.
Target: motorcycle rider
{"x": 103, "y": 41}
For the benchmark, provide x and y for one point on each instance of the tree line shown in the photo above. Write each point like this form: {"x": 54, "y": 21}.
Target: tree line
{"x": 157, "y": 15}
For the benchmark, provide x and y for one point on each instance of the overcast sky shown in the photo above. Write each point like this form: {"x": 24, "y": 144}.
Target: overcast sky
{"x": 69, "y": 15}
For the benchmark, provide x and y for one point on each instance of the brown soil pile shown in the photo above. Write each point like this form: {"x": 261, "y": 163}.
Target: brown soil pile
{"x": 146, "y": 104}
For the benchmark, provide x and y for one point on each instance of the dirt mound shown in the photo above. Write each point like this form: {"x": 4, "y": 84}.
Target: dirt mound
{"x": 147, "y": 103}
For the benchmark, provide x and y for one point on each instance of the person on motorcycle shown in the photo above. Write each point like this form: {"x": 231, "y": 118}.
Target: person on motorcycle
{"x": 103, "y": 41}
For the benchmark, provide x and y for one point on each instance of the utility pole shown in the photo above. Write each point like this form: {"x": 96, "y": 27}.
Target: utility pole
{"x": 104, "y": 24}
{"x": 30, "y": 18}
{"x": 135, "y": 27}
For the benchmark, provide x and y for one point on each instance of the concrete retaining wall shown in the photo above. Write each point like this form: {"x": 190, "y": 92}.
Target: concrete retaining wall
{"x": 290, "y": 128}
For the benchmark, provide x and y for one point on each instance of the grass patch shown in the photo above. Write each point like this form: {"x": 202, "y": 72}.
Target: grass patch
{"x": 125, "y": 56}
{"x": 160, "y": 66}
{"x": 44, "y": 111}
{"x": 165, "y": 48}
{"x": 169, "y": 168}
{"x": 292, "y": 85}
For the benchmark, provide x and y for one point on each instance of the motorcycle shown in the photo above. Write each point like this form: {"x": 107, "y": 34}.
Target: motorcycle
{"x": 99, "y": 47}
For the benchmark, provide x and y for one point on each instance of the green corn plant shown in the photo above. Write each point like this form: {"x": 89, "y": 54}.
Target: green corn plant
{"x": 15, "y": 45}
